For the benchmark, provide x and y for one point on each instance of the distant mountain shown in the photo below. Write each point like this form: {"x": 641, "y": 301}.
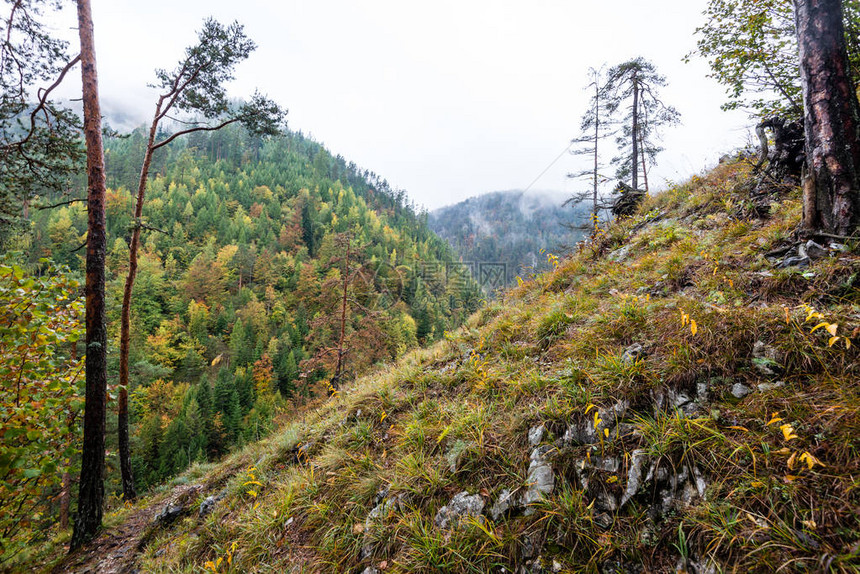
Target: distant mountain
{"x": 503, "y": 234}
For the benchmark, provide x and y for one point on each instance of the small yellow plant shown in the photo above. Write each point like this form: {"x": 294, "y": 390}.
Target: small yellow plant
{"x": 823, "y": 323}
{"x": 796, "y": 457}
{"x": 685, "y": 320}
{"x": 252, "y": 483}
{"x": 226, "y": 560}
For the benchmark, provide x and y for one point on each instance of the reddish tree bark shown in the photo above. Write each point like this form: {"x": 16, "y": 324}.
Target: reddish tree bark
{"x": 91, "y": 491}
{"x": 832, "y": 120}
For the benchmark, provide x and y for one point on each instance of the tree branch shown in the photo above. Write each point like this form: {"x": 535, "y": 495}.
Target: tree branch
{"x": 69, "y": 202}
{"x": 43, "y": 97}
{"x": 192, "y": 130}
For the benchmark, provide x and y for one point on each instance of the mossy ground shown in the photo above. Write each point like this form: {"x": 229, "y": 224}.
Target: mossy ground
{"x": 697, "y": 293}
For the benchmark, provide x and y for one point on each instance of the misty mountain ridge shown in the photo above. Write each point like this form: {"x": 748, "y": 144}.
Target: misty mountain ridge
{"x": 512, "y": 230}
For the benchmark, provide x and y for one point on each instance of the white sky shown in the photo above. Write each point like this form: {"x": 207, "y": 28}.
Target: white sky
{"x": 446, "y": 99}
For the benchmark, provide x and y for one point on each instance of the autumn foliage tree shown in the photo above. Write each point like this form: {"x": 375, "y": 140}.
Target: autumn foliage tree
{"x": 41, "y": 399}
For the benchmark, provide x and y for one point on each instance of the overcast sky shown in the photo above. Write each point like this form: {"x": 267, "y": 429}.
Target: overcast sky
{"x": 446, "y": 99}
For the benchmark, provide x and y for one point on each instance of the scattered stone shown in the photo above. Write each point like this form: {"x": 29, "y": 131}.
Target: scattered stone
{"x": 837, "y": 247}
{"x": 603, "y": 520}
{"x": 529, "y": 549}
{"x": 289, "y": 522}
{"x": 766, "y": 358}
{"x": 374, "y": 519}
{"x": 691, "y": 566}
{"x": 585, "y": 433}
{"x": 634, "y": 474}
{"x": 619, "y": 254}
{"x": 208, "y": 504}
{"x": 795, "y": 261}
{"x": 536, "y": 435}
{"x": 370, "y": 570}
{"x": 170, "y": 513}
{"x": 540, "y": 481}
{"x": 633, "y": 353}
{"x": 463, "y": 505}
{"x": 702, "y": 393}
{"x": 455, "y": 454}
{"x": 812, "y": 250}
{"x": 381, "y": 495}
{"x": 620, "y": 567}
{"x": 556, "y": 566}
{"x": 504, "y": 503}
{"x": 740, "y": 390}
{"x": 767, "y": 387}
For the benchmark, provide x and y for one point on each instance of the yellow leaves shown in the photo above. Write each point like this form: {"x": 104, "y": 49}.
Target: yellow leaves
{"x": 831, "y": 327}
{"x": 443, "y": 434}
{"x": 788, "y": 432}
{"x": 612, "y": 479}
{"x": 774, "y": 418}
{"x": 810, "y": 460}
{"x": 811, "y": 314}
{"x": 383, "y": 416}
{"x": 685, "y": 320}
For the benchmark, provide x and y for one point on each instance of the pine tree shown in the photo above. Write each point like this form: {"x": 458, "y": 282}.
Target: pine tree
{"x": 633, "y": 85}
{"x": 205, "y": 407}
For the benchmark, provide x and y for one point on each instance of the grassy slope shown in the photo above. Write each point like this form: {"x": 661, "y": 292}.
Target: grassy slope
{"x": 546, "y": 353}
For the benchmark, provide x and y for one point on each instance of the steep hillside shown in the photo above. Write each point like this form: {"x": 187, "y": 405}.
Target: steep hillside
{"x": 508, "y": 233}
{"x": 679, "y": 396}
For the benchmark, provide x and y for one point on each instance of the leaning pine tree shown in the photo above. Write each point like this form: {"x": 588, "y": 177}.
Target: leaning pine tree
{"x": 195, "y": 87}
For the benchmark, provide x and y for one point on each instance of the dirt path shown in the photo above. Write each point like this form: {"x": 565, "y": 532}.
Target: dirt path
{"x": 115, "y": 551}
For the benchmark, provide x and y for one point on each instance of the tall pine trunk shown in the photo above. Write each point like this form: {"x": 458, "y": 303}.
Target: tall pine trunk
{"x": 88, "y": 519}
{"x": 832, "y": 120}
{"x": 634, "y": 162}
{"x": 596, "y": 140}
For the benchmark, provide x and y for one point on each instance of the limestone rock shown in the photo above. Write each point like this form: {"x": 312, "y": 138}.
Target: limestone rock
{"x": 536, "y": 435}
{"x": 633, "y": 353}
{"x": 540, "y": 481}
{"x": 463, "y": 505}
{"x": 208, "y": 504}
{"x": 638, "y": 458}
{"x": 503, "y": 504}
{"x": 170, "y": 513}
{"x": 767, "y": 387}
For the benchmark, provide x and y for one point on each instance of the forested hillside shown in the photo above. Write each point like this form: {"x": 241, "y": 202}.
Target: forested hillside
{"x": 240, "y": 292}
{"x": 509, "y": 232}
